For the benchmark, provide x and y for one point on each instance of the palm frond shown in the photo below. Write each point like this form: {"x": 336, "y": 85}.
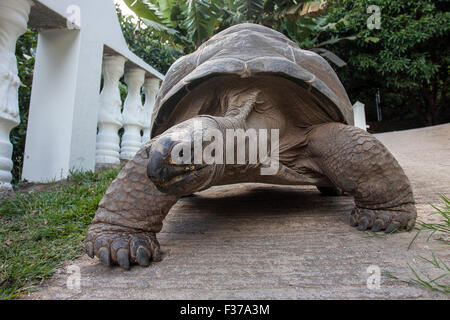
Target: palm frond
{"x": 145, "y": 9}
{"x": 201, "y": 18}
{"x": 247, "y": 10}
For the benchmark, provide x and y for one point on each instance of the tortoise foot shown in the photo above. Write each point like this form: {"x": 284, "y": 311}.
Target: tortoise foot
{"x": 387, "y": 220}
{"x": 116, "y": 245}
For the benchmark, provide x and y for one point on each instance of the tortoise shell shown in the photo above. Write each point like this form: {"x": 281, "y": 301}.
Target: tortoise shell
{"x": 249, "y": 50}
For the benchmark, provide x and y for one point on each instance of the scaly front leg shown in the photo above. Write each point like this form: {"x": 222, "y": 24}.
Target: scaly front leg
{"x": 358, "y": 163}
{"x": 130, "y": 214}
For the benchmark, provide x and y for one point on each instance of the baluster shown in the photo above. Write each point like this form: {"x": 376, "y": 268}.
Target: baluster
{"x": 13, "y": 23}
{"x": 151, "y": 88}
{"x": 132, "y": 114}
{"x": 109, "y": 115}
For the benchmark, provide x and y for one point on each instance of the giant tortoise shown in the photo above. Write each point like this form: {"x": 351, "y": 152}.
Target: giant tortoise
{"x": 248, "y": 77}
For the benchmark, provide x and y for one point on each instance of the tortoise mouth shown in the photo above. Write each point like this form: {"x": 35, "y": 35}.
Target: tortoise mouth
{"x": 180, "y": 173}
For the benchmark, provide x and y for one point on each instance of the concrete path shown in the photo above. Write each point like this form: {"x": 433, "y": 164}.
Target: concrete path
{"x": 276, "y": 242}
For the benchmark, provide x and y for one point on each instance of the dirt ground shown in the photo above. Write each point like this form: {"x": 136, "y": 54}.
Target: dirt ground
{"x": 255, "y": 241}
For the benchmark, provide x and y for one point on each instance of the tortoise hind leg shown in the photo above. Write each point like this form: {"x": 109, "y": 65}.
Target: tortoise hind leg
{"x": 359, "y": 164}
{"x": 130, "y": 214}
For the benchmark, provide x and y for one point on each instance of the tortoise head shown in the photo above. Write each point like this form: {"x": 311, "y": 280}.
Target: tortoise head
{"x": 175, "y": 165}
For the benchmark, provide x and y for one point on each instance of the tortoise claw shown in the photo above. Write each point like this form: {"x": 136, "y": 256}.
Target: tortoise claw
{"x": 142, "y": 257}
{"x": 389, "y": 221}
{"x": 363, "y": 224}
{"x": 394, "y": 226}
{"x": 122, "y": 259}
{"x": 104, "y": 256}
{"x": 377, "y": 226}
{"x": 89, "y": 249}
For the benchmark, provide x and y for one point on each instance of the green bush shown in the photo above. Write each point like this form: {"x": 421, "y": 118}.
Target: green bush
{"x": 144, "y": 43}
{"x": 25, "y": 53}
{"x": 407, "y": 59}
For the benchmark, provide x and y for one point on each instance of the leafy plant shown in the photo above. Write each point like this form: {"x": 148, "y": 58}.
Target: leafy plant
{"x": 147, "y": 45}
{"x": 407, "y": 59}
{"x": 25, "y": 53}
{"x": 245, "y": 10}
{"x": 201, "y": 19}
{"x": 185, "y": 23}
{"x": 190, "y": 24}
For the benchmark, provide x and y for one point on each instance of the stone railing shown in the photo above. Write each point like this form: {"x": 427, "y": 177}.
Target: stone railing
{"x": 71, "y": 126}
{"x": 135, "y": 118}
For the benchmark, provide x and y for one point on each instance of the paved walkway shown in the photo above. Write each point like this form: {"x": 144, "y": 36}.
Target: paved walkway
{"x": 276, "y": 242}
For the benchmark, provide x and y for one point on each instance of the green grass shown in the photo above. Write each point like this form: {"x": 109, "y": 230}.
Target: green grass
{"x": 423, "y": 279}
{"x": 439, "y": 231}
{"x": 442, "y": 232}
{"x": 442, "y": 228}
{"x": 39, "y": 230}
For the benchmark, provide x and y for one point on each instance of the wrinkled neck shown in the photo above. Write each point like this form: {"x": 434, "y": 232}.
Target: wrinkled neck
{"x": 227, "y": 122}
{"x": 224, "y": 171}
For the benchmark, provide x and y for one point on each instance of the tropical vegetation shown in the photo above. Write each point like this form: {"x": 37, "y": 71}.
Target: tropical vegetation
{"x": 406, "y": 59}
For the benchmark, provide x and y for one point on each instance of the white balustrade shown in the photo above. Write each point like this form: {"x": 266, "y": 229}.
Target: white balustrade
{"x": 132, "y": 114}
{"x": 109, "y": 115}
{"x": 13, "y": 23}
{"x": 151, "y": 88}
{"x": 63, "y": 115}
